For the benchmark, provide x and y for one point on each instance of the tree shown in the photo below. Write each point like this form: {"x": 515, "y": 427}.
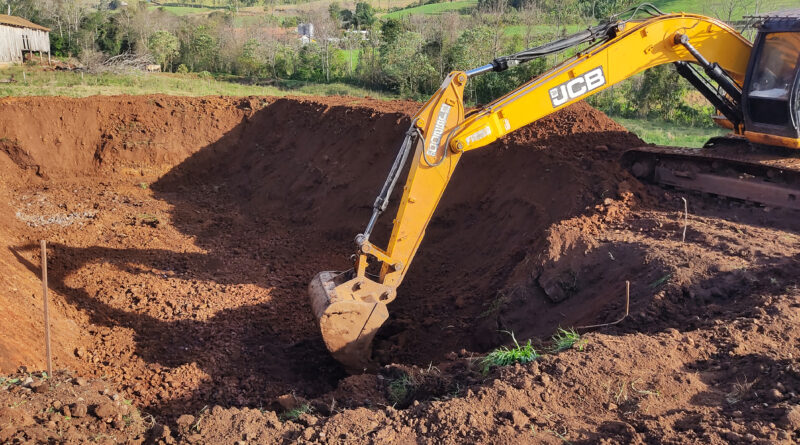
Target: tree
{"x": 728, "y": 9}
{"x": 334, "y": 10}
{"x": 102, "y": 32}
{"x": 351, "y": 42}
{"x": 199, "y": 49}
{"x": 164, "y": 46}
{"x": 347, "y": 18}
{"x": 250, "y": 60}
{"x": 327, "y": 33}
{"x": 474, "y": 48}
{"x": 308, "y": 65}
{"x": 390, "y": 29}
{"x": 364, "y": 16}
{"x": 530, "y": 17}
{"x": 600, "y": 9}
{"x": 26, "y": 9}
{"x": 272, "y": 52}
{"x": 65, "y": 18}
{"x": 661, "y": 92}
{"x": 405, "y": 68}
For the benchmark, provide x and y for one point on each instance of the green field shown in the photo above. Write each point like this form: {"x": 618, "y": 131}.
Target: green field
{"x": 709, "y": 8}
{"x": 434, "y": 8}
{"x": 664, "y": 133}
{"x": 75, "y": 84}
{"x": 185, "y": 10}
{"x": 352, "y": 56}
{"x": 539, "y": 30}
{"x": 242, "y": 20}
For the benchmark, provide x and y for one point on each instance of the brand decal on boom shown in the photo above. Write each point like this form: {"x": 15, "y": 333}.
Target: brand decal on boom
{"x": 577, "y": 87}
{"x": 438, "y": 129}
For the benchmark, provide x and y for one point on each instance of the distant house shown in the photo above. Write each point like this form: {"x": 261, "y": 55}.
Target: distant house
{"x": 19, "y": 36}
{"x": 355, "y": 32}
{"x": 117, "y": 4}
{"x": 306, "y": 29}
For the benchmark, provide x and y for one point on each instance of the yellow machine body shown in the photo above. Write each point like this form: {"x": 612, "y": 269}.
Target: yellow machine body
{"x": 352, "y": 306}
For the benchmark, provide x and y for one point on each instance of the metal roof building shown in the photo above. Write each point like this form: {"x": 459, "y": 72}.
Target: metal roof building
{"x": 18, "y": 36}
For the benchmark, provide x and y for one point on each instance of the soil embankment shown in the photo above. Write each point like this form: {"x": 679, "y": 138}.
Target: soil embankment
{"x": 183, "y": 233}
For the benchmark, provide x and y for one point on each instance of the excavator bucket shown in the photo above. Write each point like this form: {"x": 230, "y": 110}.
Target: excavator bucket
{"x": 348, "y": 321}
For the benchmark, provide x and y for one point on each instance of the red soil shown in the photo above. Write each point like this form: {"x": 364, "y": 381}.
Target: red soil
{"x": 183, "y": 233}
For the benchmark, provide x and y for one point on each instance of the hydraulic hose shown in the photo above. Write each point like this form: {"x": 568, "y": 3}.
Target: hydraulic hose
{"x": 382, "y": 201}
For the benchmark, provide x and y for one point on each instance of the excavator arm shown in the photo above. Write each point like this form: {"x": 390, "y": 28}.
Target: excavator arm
{"x": 351, "y": 305}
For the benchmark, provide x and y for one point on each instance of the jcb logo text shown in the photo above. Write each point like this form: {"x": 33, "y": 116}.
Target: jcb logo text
{"x": 577, "y": 87}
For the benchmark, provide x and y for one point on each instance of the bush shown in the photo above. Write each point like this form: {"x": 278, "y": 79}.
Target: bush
{"x": 182, "y": 69}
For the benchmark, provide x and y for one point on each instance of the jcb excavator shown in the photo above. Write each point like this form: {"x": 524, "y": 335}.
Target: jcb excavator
{"x": 755, "y": 86}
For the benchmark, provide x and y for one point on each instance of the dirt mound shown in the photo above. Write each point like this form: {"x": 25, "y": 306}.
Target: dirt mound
{"x": 183, "y": 233}
{"x": 36, "y": 408}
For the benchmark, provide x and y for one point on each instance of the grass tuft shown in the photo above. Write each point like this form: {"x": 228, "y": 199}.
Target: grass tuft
{"x": 565, "y": 339}
{"x": 401, "y": 389}
{"x": 661, "y": 281}
{"x": 295, "y": 414}
{"x": 503, "y": 356}
{"x": 739, "y": 391}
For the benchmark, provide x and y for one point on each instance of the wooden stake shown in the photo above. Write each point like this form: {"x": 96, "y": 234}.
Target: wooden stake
{"x": 685, "y": 218}
{"x": 46, "y": 312}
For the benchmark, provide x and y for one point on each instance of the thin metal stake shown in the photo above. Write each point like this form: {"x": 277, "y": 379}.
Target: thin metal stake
{"x": 46, "y": 312}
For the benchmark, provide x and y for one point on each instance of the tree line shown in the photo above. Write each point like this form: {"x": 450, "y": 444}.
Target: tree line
{"x": 407, "y": 56}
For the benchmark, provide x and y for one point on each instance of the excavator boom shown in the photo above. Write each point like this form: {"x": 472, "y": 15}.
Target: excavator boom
{"x": 351, "y": 305}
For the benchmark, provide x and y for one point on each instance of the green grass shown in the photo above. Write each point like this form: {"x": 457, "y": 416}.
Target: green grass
{"x": 434, "y": 9}
{"x": 295, "y": 414}
{"x": 400, "y": 389}
{"x": 664, "y": 133}
{"x": 503, "y": 356}
{"x": 565, "y": 339}
{"x": 660, "y": 281}
{"x": 702, "y": 7}
{"x": 538, "y": 30}
{"x": 74, "y": 84}
{"x": 354, "y": 53}
{"x": 185, "y": 10}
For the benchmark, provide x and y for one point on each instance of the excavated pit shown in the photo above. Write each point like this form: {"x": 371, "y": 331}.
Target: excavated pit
{"x": 183, "y": 233}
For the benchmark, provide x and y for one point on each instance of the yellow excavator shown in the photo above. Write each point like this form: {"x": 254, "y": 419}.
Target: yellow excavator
{"x": 755, "y": 86}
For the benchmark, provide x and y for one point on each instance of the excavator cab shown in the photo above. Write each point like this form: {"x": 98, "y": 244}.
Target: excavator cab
{"x": 771, "y": 96}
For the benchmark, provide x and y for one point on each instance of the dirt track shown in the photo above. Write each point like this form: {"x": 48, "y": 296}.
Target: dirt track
{"x": 183, "y": 233}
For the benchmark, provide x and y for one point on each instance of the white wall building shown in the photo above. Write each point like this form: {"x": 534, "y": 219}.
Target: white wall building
{"x": 306, "y": 29}
{"x": 18, "y": 36}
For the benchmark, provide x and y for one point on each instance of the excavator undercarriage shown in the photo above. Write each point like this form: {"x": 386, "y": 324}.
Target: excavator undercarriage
{"x": 730, "y": 167}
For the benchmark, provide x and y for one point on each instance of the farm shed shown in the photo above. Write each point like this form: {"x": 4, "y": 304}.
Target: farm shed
{"x": 18, "y": 36}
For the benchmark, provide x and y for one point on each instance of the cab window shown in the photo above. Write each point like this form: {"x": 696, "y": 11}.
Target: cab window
{"x": 775, "y": 71}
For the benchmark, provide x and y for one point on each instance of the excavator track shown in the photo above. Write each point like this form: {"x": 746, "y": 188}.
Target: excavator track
{"x": 726, "y": 166}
